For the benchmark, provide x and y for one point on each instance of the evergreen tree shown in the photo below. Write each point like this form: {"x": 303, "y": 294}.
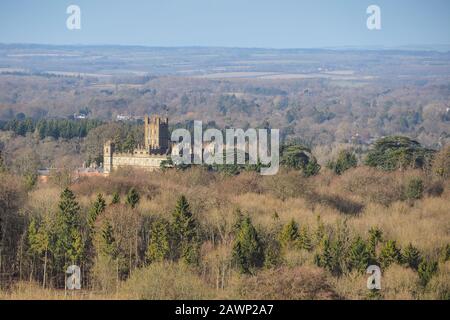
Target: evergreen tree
{"x": 289, "y": 234}
{"x": 320, "y": 232}
{"x": 38, "y": 245}
{"x": 272, "y": 252}
{"x": 299, "y": 157}
{"x": 339, "y": 249}
{"x": 247, "y": 251}
{"x": 132, "y": 198}
{"x": 324, "y": 259}
{"x": 390, "y": 254}
{"x": 359, "y": 255}
{"x": 375, "y": 237}
{"x": 159, "y": 245}
{"x": 396, "y": 152}
{"x": 97, "y": 208}
{"x": 109, "y": 246}
{"x": 185, "y": 231}
{"x": 426, "y": 270}
{"x": 69, "y": 244}
{"x": 304, "y": 240}
{"x": 412, "y": 257}
{"x": 130, "y": 143}
{"x": 115, "y": 198}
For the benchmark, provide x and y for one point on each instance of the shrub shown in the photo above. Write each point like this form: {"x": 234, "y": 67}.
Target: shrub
{"x": 133, "y": 198}
{"x": 286, "y": 185}
{"x": 300, "y": 283}
{"x": 400, "y": 283}
{"x": 372, "y": 185}
{"x": 165, "y": 281}
{"x": 414, "y": 189}
{"x": 412, "y": 257}
{"x": 390, "y": 254}
{"x": 435, "y": 189}
{"x": 444, "y": 255}
{"x": 345, "y": 160}
{"x": 299, "y": 157}
{"x": 439, "y": 285}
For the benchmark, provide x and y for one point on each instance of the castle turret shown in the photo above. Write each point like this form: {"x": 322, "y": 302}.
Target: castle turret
{"x": 108, "y": 151}
{"x": 156, "y": 134}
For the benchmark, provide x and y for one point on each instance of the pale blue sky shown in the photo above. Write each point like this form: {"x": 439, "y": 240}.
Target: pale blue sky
{"x": 231, "y": 23}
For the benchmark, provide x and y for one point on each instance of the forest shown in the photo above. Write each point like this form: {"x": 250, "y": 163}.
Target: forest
{"x": 197, "y": 232}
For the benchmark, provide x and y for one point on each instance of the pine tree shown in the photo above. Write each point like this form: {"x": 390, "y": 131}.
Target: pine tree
{"x": 185, "y": 232}
{"x": 247, "y": 250}
{"x": 304, "y": 239}
{"x": 289, "y": 234}
{"x": 412, "y": 257}
{"x": 375, "y": 237}
{"x": 320, "y": 231}
{"x": 359, "y": 256}
{"x": 132, "y": 198}
{"x": 339, "y": 249}
{"x": 115, "y": 198}
{"x": 159, "y": 245}
{"x": 184, "y": 224}
{"x": 272, "y": 252}
{"x": 97, "y": 208}
{"x": 69, "y": 244}
{"x": 390, "y": 254}
{"x": 426, "y": 270}
{"x": 109, "y": 246}
{"x": 324, "y": 259}
{"x": 39, "y": 242}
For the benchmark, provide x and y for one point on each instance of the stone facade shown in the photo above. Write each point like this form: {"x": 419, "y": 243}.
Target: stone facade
{"x": 156, "y": 148}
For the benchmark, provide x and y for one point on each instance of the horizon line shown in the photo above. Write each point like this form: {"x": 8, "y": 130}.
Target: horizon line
{"x": 405, "y": 47}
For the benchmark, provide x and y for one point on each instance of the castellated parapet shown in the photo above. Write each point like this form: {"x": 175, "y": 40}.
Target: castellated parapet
{"x": 156, "y": 148}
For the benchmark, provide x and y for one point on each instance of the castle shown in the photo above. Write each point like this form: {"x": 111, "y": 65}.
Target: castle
{"x": 156, "y": 148}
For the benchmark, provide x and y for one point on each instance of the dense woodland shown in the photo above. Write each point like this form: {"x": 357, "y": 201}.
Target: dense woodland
{"x": 204, "y": 233}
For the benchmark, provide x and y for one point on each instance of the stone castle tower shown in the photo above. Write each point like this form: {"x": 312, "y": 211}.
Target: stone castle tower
{"x": 156, "y": 148}
{"x": 108, "y": 152}
{"x": 156, "y": 134}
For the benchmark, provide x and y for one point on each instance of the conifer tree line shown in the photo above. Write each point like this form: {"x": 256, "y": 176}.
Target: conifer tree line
{"x": 55, "y": 128}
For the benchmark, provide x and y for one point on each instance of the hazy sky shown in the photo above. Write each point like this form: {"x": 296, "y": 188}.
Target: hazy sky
{"x": 238, "y": 23}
